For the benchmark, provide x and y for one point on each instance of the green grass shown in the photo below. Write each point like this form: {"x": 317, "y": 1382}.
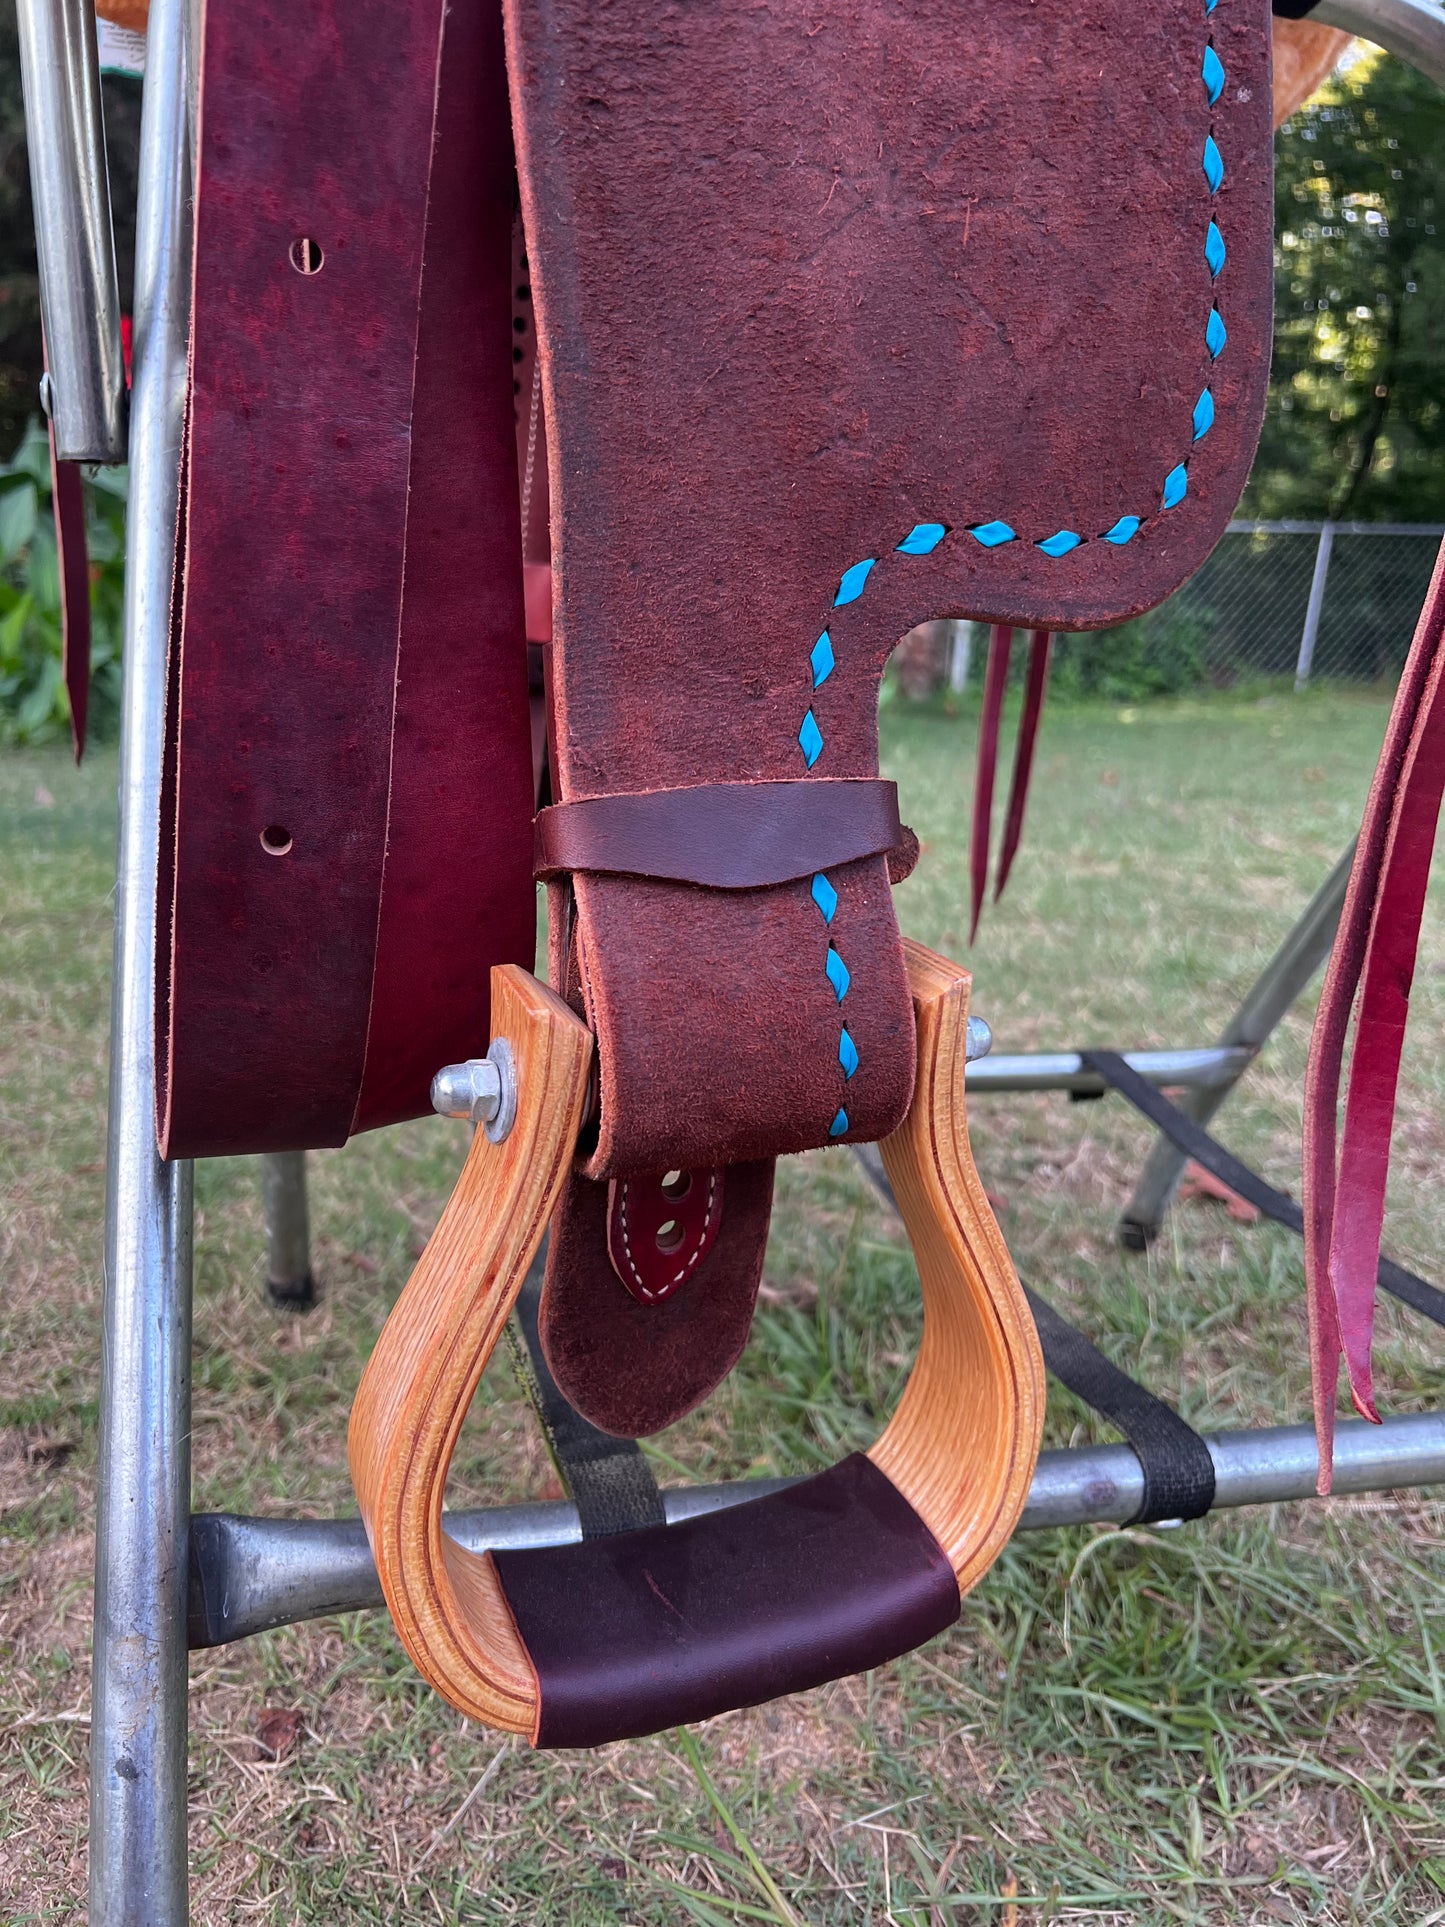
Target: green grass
{"x": 1243, "y": 1720}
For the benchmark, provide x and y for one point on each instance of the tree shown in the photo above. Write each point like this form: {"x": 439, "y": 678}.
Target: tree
{"x": 1355, "y": 427}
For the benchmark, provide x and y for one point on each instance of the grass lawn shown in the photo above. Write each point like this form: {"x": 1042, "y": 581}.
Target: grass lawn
{"x": 1242, "y": 1720}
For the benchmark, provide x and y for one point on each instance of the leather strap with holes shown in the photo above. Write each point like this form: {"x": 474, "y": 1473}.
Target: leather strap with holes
{"x": 348, "y": 781}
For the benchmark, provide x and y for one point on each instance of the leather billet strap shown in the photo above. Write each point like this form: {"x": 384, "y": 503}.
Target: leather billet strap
{"x": 1374, "y": 954}
{"x": 348, "y": 783}
{"x": 722, "y": 836}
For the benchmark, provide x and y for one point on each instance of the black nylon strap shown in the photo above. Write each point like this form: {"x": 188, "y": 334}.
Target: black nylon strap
{"x": 1176, "y": 1463}
{"x": 1207, "y": 1151}
{"x": 607, "y": 1478}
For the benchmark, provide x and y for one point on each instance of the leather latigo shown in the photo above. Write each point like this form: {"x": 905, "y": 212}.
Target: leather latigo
{"x": 349, "y": 765}
{"x": 839, "y": 320}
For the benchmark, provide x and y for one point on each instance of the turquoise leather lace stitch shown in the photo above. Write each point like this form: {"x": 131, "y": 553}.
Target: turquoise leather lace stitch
{"x": 926, "y": 536}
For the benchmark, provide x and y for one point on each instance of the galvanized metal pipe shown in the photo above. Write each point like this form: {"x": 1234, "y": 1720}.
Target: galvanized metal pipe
{"x": 1314, "y": 608}
{"x": 74, "y": 242}
{"x": 138, "y": 1729}
{"x": 1065, "y": 1070}
{"x": 288, "y": 1232}
{"x": 1412, "y": 30}
{"x": 253, "y": 1574}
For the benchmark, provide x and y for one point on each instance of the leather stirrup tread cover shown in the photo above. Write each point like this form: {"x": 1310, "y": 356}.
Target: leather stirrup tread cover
{"x": 843, "y": 328}
{"x": 646, "y": 1630}
{"x": 348, "y": 781}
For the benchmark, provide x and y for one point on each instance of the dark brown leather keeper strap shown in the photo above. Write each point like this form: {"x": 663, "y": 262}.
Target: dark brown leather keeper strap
{"x": 724, "y": 836}
{"x": 646, "y": 1630}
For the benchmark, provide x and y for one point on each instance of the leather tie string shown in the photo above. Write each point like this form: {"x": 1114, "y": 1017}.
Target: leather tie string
{"x": 1040, "y": 649}
{"x": 1000, "y": 649}
{"x": 1344, "y": 1181}
{"x": 995, "y": 681}
{"x": 67, "y": 505}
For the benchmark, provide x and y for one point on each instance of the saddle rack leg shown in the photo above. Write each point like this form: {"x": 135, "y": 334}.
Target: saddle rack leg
{"x": 960, "y": 1449}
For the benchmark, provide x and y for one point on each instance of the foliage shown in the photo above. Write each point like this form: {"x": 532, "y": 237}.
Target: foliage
{"x": 33, "y": 702}
{"x": 1164, "y": 653}
{"x": 1355, "y": 427}
{"x": 19, "y": 286}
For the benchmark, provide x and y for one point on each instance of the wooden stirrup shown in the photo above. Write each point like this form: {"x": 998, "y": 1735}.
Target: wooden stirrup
{"x": 960, "y": 1449}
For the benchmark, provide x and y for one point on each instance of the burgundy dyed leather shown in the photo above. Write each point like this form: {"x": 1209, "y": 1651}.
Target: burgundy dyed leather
{"x": 67, "y": 498}
{"x": 646, "y": 1630}
{"x": 723, "y": 836}
{"x": 350, "y": 676}
{"x": 1374, "y": 953}
{"x": 1040, "y": 648}
{"x": 826, "y": 362}
{"x": 633, "y": 1367}
{"x": 456, "y": 893}
{"x": 660, "y": 1227}
{"x": 812, "y": 295}
{"x": 995, "y": 683}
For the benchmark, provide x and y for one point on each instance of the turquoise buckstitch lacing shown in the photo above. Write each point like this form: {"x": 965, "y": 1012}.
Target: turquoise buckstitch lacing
{"x": 925, "y": 537}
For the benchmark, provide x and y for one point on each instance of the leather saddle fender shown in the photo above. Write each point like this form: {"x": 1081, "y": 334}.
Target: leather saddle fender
{"x": 905, "y": 314}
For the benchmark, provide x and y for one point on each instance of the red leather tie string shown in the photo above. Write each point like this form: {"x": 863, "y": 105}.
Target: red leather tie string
{"x": 68, "y": 507}
{"x": 72, "y": 560}
{"x": 1344, "y": 1180}
{"x": 1040, "y": 648}
{"x": 1000, "y": 648}
{"x": 995, "y": 681}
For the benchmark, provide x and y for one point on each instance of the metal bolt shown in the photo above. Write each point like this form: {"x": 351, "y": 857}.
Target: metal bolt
{"x": 979, "y": 1041}
{"x": 484, "y": 1090}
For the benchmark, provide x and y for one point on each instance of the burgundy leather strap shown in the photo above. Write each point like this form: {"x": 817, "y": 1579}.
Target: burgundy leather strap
{"x": 661, "y": 1226}
{"x": 635, "y": 1360}
{"x": 456, "y": 897}
{"x": 349, "y": 743}
{"x": 995, "y": 682}
{"x": 67, "y": 497}
{"x": 1376, "y": 943}
{"x": 724, "y": 836}
{"x": 645, "y": 1630}
{"x": 1040, "y": 646}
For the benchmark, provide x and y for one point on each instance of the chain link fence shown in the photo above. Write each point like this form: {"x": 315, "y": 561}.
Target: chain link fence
{"x": 1309, "y": 600}
{"x": 1293, "y": 601}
